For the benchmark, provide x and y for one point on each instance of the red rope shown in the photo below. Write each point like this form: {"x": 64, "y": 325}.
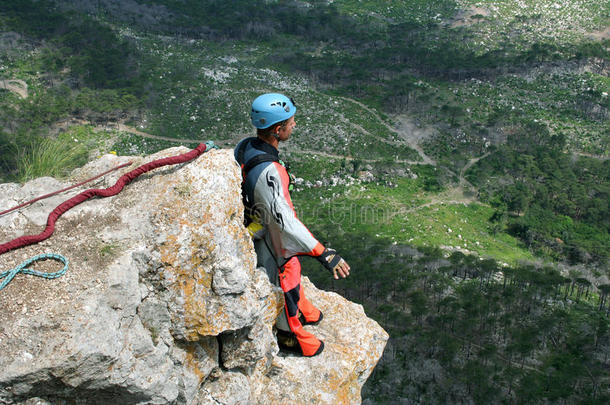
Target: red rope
{"x": 42, "y": 197}
{"x": 106, "y": 192}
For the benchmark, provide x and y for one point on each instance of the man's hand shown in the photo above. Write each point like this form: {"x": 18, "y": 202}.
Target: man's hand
{"x": 334, "y": 263}
{"x": 342, "y": 270}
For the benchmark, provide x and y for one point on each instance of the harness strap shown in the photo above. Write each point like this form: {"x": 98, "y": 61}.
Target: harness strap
{"x": 269, "y": 154}
{"x": 266, "y": 156}
{"x": 258, "y": 159}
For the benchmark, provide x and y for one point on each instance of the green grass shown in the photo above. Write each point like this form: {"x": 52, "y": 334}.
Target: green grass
{"x": 401, "y": 214}
{"x": 36, "y": 156}
{"x": 50, "y": 157}
{"x": 108, "y": 249}
{"x": 469, "y": 225}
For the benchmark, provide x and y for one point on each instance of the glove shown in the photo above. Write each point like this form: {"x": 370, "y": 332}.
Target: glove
{"x": 330, "y": 259}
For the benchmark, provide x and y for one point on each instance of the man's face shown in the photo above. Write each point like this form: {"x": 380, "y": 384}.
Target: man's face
{"x": 285, "y": 131}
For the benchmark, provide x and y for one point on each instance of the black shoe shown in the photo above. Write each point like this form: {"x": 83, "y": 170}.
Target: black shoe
{"x": 320, "y": 349}
{"x": 304, "y": 321}
{"x": 287, "y": 341}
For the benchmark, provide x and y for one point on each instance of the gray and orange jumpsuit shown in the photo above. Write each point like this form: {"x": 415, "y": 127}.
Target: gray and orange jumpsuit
{"x": 266, "y": 191}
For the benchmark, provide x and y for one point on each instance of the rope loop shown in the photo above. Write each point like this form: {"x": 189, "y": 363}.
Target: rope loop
{"x": 22, "y": 268}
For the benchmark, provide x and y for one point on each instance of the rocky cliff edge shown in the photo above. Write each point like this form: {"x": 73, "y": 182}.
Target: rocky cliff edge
{"x": 162, "y": 302}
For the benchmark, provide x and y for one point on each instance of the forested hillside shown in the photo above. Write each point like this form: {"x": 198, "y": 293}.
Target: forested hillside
{"x": 455, "y": 151}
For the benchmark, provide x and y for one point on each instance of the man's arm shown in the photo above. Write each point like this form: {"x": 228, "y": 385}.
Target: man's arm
{"x": 286, "y": 229}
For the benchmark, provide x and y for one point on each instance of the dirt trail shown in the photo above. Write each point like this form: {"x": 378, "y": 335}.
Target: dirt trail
{"x": 350, "y": 158}
{"x": 16, "y": 86}
{"x": 132, "y": 130}
{"x": 463, "y": 182}
{"x": 601, "y": 35}
{"x": 413, "y": 135}
{"x": 600, "y": 157}
{"x": 410, "y": 133}
{"x": 454, "y": 195}
{"x": 465, "y": 17}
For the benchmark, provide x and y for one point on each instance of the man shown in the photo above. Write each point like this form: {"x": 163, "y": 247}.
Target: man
{"x": 279, "y": 236}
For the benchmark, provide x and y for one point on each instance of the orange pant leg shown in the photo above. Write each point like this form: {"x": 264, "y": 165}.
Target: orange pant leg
{"x": 290, "y": 281}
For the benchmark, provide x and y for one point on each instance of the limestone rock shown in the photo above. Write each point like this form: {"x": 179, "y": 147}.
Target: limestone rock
{"x": 353, "y": 345}
{"x": 229, "y": 388}
{"x": 162, "y": 302}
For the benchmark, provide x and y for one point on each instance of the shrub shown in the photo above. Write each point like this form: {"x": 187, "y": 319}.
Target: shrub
{"x": 50, "y": 157}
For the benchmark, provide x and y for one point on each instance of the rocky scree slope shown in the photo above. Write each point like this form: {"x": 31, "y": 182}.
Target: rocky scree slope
{"x": 162, "y": 302}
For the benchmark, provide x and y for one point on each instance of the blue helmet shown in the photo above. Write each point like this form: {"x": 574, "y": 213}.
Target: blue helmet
{"x": 271, "y": 108}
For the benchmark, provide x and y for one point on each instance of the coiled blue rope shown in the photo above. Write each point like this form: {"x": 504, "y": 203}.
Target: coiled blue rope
{"x": 22, "y": 268}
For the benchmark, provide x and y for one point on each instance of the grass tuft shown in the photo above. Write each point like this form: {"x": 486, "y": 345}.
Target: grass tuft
{"x": 50, "y": 157}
